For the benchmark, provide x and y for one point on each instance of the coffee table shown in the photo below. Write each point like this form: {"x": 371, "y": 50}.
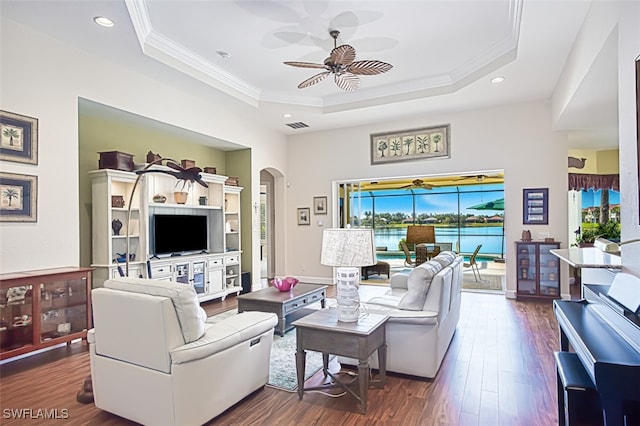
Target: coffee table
{"x": 283, "y": 304}
{"x": 322, "y": 332}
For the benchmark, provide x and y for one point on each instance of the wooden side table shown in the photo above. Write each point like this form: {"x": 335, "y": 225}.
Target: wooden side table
{"x": 322, "y": 332}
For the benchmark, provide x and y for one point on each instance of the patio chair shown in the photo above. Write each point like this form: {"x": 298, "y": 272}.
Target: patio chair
{"x": 408, "y": 261}
{"x": 473, "y": 264}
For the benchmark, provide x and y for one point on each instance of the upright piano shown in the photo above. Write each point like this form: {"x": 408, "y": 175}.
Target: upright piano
{"x": 603, "y": 329}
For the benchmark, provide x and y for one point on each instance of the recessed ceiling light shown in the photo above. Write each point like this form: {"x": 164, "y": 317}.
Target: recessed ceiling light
{"x": 497, "y": 79}
{"x": 286, "y": 115}
{"x": 223, "y": 54}
{"x": 105, "y": 22}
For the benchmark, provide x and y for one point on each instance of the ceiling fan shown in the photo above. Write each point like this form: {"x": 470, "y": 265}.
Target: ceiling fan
{"x": 478, "y": 178}
{"x": 417, "y": 183}
{"x": 341, "y": 62}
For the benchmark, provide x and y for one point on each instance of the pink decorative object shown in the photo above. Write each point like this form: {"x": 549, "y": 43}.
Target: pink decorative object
{"x": 284, "y": 284}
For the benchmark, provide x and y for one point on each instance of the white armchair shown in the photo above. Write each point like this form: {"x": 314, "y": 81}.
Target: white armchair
{"x": 155, "y": 360}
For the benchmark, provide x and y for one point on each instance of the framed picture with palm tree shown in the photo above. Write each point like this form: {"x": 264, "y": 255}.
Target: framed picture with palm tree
{"x": 413, "y": 144}
{"x": 18, "y": 197}
{"x": 18, "y": 138}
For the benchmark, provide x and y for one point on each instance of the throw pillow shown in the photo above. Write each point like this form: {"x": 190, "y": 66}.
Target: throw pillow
{"x": 418, "y": 286}
{"x": 184, "y": 298}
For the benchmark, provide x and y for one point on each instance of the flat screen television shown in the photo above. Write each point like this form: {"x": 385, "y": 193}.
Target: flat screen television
{"x": 179, "y": 233}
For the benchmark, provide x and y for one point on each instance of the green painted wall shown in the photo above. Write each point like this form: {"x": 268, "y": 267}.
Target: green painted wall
{"x": 97, "y": 134}
{"x": 239, "y": 164}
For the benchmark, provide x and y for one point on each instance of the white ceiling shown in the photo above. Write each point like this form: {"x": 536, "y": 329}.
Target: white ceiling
{"x": 443, "y": 53}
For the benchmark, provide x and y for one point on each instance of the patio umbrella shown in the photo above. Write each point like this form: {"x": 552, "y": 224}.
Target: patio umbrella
{"x": 490, "y": 205}
{"x": 493, "y": 205}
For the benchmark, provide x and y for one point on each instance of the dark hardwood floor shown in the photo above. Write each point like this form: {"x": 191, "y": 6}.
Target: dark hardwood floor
{"x": 499, "y": 370}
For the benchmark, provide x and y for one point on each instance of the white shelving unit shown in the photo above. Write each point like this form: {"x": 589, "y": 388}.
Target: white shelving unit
{"x": 214, "y": 274}
{"x": 232, "y": 239}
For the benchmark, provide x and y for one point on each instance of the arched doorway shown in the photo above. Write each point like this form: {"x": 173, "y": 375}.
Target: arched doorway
{"x": 271, "y": 200}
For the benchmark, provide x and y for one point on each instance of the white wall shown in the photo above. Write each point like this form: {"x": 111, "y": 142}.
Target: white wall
{"x": 628, "y": 52}
{"x": 621, "y": 18}
{"x": 517, "y": 138}
{"x": 42, "y": 77}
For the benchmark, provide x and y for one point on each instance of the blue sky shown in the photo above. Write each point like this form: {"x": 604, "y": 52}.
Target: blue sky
{"x": 591, "y": 198}
{"x": 439, "y": 200}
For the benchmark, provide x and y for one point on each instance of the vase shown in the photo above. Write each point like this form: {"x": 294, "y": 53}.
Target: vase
{"x": 116, "y": 225}
{"x": 180, "y": 197}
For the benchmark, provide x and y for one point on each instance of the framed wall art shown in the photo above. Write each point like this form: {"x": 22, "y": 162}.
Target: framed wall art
{"x": 18, "y": 197}
{"x": 304, "y": 216}
{"x": 536, "y": 206}
{"x": 18, "y": 138}
{"x": 409, "y": 145}
{"x": 320, "y": 205}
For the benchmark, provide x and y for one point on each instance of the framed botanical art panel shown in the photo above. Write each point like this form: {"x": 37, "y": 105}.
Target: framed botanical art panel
{"x": 18, "y": 197}
{"x": 304, "y": 216}
{"x": 536, "y": 206}
{"x": 320, "y": 205}
{"x": 18, "y": 138}
{"x": 408, "y": 145}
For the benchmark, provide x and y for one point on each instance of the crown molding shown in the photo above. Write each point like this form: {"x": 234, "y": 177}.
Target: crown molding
{"x": 165, "y": 50}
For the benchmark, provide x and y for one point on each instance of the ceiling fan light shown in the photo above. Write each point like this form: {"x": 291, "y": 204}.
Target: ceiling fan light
{"x": 341, "y": 62}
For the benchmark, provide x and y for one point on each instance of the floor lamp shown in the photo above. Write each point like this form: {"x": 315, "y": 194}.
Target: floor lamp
{"x": 85, "y": 395}
{"x": 348, "y": 250}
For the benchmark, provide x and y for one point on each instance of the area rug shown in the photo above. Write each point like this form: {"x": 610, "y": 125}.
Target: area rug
{"x": 282, "y": 366}
{"x": 282, "y": 363}
{"x": 486, "y": 282}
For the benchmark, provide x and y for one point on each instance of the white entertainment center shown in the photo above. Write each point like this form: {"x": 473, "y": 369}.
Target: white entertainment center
{"x": 211, "y": 265}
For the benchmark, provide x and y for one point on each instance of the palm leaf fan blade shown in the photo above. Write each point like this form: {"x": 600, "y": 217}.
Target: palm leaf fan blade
{"x": 347, "y": 81}
{"x": 305, "y": 65}
{"x": 343, "y": 55}
{"x": 313, "y": 80}
{"x": 369, "y": 67}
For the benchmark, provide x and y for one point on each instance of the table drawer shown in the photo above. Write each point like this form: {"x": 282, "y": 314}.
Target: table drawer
{"x": 230, "y": 260}
{"x": 295, "y": 305}
{"x": 159, "y": 271}
{"x": 215, "y": 263}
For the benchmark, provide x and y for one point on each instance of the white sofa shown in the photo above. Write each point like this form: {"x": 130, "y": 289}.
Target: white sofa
{"x": 424, "y": 309}
{"x": 155, "y": 360}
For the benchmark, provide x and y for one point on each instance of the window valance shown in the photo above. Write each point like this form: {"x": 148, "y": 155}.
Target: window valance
{"x": 580, "y": 181}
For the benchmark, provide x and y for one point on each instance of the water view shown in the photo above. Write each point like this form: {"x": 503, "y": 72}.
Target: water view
{"x": 489, "y": 236}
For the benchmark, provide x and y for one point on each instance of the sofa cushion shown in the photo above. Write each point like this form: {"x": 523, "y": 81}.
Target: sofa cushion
{"x": 184, "y": 298}
{"x": 418, "y": 285}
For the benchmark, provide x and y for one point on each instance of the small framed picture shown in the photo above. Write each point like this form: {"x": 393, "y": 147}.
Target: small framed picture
{"x": 320, "y": 205}
{"x": 18, "y": 138}
{"x": 304, "y": 216}
{"x": 18, "y": 197}
{"x": 535, "y": 209}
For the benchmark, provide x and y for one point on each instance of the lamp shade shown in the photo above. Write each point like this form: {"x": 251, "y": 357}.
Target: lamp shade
{"x": 421, "y": 234}
{"x": 348, "y": 247}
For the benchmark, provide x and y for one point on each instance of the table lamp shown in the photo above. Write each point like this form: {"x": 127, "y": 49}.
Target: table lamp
{"x": 348, "y": 249}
